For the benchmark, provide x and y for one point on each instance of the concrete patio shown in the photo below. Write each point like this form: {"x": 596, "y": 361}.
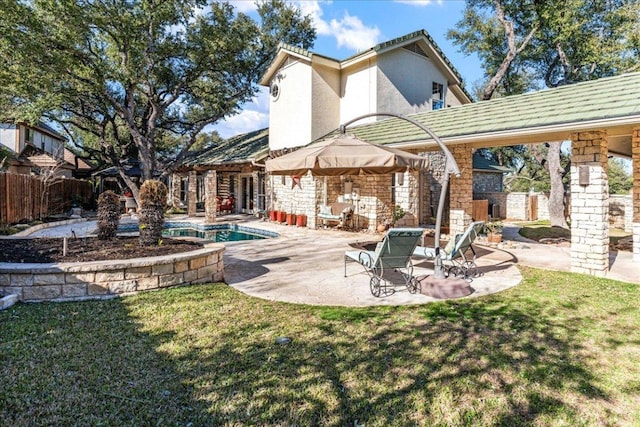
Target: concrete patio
{"x": 306, "y": 266}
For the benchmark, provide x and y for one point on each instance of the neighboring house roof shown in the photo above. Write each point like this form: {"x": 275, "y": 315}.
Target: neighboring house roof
{"x": 247, "y": 147}
{"x": 43, "y": 159}
{"x": 74, "y": 159}
{"x": 433, "y": 50}
{"x": 482, "y": 164}
{"x": 41, "y": 126}
{"x": 546, "y": 115}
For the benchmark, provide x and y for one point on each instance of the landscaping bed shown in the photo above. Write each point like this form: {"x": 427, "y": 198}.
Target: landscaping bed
{"x": 48, "y": 250}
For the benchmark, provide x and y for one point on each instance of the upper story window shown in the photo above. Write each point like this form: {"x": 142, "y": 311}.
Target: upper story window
{"x": 437, "y": 96}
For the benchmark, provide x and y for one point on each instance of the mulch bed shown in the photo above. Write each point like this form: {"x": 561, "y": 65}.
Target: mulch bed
{"x": 46, "y": 250}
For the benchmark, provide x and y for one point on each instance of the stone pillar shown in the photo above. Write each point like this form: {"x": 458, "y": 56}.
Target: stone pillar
{"x": 461, "y": 190}
{"x": 589, "y": 203}
{"x": 635, "y": 194}
{"x": 191, "y": 195}
{"x": 210, "y": 200}
{"x": 175, "y": 190}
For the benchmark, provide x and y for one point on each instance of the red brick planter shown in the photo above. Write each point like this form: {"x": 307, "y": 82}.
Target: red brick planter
{"x": 291, "y": 219}
{"x": 273, "y": 215}
{"x": 282, "y": 216}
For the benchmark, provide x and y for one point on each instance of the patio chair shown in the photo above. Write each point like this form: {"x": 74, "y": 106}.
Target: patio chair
{"x": 453, "y": 255}
{"x": 390, "y": 262}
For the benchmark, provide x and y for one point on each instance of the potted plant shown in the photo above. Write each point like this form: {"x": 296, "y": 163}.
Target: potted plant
{"x": 494, "y": 231}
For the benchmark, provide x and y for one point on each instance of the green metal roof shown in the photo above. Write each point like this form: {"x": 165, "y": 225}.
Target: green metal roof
{"x": 252, "y": 146}
{"x": 603, "y": 99}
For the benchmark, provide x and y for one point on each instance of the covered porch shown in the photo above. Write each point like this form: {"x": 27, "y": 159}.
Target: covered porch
{"x": 600, "y": 118}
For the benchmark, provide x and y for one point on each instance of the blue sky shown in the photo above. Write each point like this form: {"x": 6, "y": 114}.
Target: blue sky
{"x": 350, "y": 26}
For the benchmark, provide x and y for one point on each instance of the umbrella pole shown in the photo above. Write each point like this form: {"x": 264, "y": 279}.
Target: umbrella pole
{"x": 438, "y": 269}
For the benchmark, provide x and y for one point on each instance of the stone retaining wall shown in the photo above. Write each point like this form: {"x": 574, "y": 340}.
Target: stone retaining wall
{"x": 100, "y": 279}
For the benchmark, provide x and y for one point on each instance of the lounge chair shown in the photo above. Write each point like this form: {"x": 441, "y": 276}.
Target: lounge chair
{"x": 453, "y": 255}
{"x": 390, "y": 261}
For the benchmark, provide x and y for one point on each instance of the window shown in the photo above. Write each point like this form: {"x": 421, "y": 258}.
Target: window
{"x": 42, "y": 141}
{"x": 437, "y": 96}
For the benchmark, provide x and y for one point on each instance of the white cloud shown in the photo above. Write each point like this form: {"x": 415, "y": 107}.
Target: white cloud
{"x": 351, "y": 33}
{"x": 244, "y": 6}
{"x": 254, "y": 116}
{"x": 419, "y": 3}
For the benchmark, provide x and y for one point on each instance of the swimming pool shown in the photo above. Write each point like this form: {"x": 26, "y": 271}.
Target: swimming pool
{"x": 212, "y": 232}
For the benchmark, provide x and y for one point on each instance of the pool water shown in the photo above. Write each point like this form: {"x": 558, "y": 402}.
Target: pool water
{"x": 213, "y": 235}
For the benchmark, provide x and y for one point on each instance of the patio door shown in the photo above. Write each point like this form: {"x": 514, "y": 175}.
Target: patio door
{"x": 247, "y": 194}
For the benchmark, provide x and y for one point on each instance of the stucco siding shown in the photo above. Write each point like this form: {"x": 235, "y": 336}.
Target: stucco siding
{"x": 359, "y": 92}
{"x": 326, "y": 101}
{"x": 291, "y": 114}
{"x": 451, "y": 100}
{"x": 405, "y": 82}
{"x": 8, "y": 135}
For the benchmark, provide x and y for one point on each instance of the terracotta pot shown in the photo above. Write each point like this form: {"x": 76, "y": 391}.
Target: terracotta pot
{"x": 301, "y": 220}
{"x": 494, "y": 238}
{"x": 282, "y": 216}
{"x": 273, "y": 215}
{"x": 291, "y": 219}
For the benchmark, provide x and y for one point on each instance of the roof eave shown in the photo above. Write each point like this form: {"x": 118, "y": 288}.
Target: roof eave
{"x": 556, "y": 132}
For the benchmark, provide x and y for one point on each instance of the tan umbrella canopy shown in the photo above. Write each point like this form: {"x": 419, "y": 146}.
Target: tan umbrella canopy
{"x": 345, "y": 155}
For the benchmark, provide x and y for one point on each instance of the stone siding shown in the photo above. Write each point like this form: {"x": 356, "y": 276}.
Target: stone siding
{"x": 372, "y": 207}
{"x": 619, "y": 205}
{"x": 635, "y": 194}
{"x": 487, "y": 182}
{"x": 461, "y": 190}
{"x": 517, "y": 206}
{"x": 81, "y": 281}
{"x": 589, "y": 203}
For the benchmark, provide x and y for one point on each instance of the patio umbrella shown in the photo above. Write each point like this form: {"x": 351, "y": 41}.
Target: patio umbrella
{"x": 345, "y": 155}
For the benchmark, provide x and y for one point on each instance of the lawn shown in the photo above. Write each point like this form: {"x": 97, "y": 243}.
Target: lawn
{"x": 537, "y": 230}
{"x": 560, "y": 349}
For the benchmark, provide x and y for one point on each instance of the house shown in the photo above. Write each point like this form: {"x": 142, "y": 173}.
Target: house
{"x": 312, "y": 94}
{"x": 40, "y": 144}
{"x": 234, "y": 169}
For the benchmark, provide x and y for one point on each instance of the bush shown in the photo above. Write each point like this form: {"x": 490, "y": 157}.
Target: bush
{"x": 108, "y": 215}
{"x": 153, "y": 198}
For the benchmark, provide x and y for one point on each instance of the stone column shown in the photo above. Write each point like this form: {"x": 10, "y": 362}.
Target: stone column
{"x": 635, "y": 195}
{"x": 589, "y": 203}
{"x": 191, "y": 195}
{"x": 461, "y": 190}
{"x": 175, "y": 190}
{"x": 210, "y": 192}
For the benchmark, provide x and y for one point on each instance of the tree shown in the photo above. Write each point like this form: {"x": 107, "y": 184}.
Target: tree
{"x": 133, "y": 73}
{"x": 620, "y": 179}
{"x": 555, "y": 42}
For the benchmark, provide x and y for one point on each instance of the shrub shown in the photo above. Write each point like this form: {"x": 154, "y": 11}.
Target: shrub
{"x": 153, "y": 198}
{"x": 108, "y": 215}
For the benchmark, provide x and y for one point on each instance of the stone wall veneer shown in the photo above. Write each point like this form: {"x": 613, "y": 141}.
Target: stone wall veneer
{"x": 589, "y": 203}
{"x": 461, "y": 190}
{"x": 101, "y": 279}
{"x": 635, "y": 195}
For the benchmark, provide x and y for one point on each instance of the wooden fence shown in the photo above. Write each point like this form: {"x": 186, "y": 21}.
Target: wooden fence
{"x": 480, "y": 210}
{"x": 25, "y": 198}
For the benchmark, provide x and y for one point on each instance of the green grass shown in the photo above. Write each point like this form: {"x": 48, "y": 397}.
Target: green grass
{"x": 537, "y": 230}
{"x": 560, "y": 349}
